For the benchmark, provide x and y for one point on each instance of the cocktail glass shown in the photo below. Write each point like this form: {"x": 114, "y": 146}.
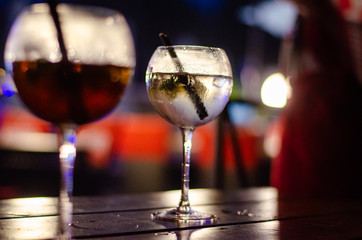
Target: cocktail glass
{"x": 188, "y": 86}
{"x": 71, "y": 65}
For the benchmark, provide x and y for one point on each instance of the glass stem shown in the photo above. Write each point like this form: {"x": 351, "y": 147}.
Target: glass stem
{"x": 184, "y": 205}
{"x": 67, "y": 153}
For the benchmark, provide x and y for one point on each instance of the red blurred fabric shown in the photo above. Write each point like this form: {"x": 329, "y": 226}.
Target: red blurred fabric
{"x": 321, "y": 152}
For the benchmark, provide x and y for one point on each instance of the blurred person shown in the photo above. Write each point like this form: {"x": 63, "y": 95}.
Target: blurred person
{"x": 321, "y": 128}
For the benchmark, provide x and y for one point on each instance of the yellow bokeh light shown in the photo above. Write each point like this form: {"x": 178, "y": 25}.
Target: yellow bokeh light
{"x": 275, "y": 91}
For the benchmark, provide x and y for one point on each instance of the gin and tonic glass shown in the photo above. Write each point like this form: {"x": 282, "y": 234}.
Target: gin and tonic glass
{"x": 188, "y": 86}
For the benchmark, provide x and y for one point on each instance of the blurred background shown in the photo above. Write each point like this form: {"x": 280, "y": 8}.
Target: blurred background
{"x": 133, "y": 149}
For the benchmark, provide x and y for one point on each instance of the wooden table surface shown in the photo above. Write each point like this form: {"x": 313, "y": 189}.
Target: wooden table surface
{"x": 255, "y": 213}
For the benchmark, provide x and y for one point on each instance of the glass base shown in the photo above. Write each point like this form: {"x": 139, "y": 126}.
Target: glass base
{"x": 192, "y": 217}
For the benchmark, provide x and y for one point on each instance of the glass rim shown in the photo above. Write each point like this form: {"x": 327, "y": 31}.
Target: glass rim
{"x": 183, "y": 46}
{"x": 66, "y": 12}
{"x": 43, "y": 7}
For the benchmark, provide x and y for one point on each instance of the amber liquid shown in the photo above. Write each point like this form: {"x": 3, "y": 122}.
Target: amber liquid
{"x": 69, "y": 93}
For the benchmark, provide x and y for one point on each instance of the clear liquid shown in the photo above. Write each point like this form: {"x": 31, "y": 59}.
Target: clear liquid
{"x": 174, "y": 101}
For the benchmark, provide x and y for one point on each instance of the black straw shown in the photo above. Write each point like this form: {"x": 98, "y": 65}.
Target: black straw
{"x": 53, "y": 11}
{"x": 183, "y": 78}
{"x": 166, "y": 42}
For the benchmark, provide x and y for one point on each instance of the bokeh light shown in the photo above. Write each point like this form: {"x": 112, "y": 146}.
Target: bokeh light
{"x": 275, "y": 91}
{"x": 6, "y": 86}
{"x": 277, "y": 17}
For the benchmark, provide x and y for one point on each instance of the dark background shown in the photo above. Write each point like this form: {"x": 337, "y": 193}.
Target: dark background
{"x": 215, "y": 23}
{"x": 198, "y": 22}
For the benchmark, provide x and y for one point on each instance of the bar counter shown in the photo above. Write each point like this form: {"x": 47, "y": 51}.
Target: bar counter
{"x": 252, "y": 213}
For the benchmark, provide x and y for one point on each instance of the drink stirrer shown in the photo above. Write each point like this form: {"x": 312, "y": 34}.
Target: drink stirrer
{"x": 53, "y": 5}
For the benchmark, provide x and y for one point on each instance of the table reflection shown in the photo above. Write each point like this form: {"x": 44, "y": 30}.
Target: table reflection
{"x": 28, "y": 207}
{"x": 25, "y": 222}
{"x": 29, "y": 228}
{"x": 185, "y": 234}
